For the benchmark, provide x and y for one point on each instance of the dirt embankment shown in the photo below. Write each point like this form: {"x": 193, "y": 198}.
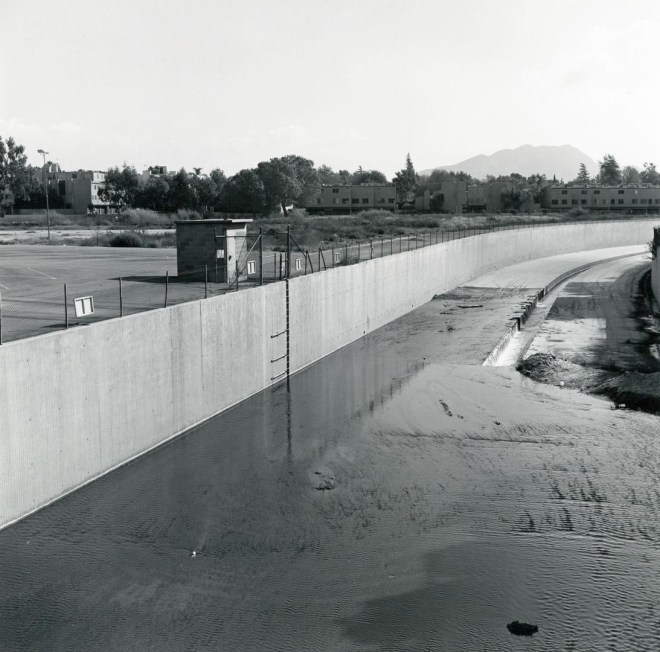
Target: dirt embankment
{"x": 629, "y": 389}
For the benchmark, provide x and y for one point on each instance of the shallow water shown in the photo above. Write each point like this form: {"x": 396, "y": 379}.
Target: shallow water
{"x": 465, "y": 497}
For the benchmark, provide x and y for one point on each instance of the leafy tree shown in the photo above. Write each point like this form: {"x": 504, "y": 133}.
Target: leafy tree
{"x": 583, "y": 177}
{"x": 344, "y": 177}
{"x": 610, "y": 173}
{"x": 406, "y": 183}
{"x": 438, "y": 176}
{"x": 121, "y": 186}
{"x": 537, "y": 183}
{"x": 630, "y": 175}
{"x": 14, "y": 168}
{"x": 327, "y": 176}
{"x": 288, "y": 180}
{"x": 367, "y": 176}
{"x": 244, "y": 193}
{"x": 154, "y": 194}
{"x": 206, "y": 189}
{"x": 650, "y": 175}
{"x": 181, "y": 193}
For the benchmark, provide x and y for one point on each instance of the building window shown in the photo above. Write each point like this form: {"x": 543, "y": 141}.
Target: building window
{"x": 318, "y": 201}
{"x": 381, "y": 200}
{"x": 564, "y": 192}
{"x": 251, "y": 267}
{"x": 584, "y": 192}
{"x": 335, "y": 190}
{"x": 298, "y": 264}
{"x": 643, "y": 201}
{"x": 61, "y": 187}
{"x": 634, "y": 201}
{"x": 620, "y": 201}
{"x": 335, "y": 200}
{"x": 355, "y": 201}
{"x": 657, "y": 201}
{"x": 612, "y": 201}
{"x": 596, "y": 192}
{"x": 621, "y": 192}
{"x": 583, "y": 202}
{"x": 344, "y": 200}
{"x": 554, "y": 201}
{"x": 574, "y": 202}
{"x": 365, "y": 200}
{"x": 391, "y": 201}
{"x": 564, "y": 201}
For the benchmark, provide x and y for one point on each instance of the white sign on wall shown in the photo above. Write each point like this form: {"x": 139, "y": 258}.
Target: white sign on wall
{"x": 84, "y": 306}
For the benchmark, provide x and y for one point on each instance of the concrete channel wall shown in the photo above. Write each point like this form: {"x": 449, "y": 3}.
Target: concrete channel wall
{"x": 655, "y": 268}
{"x": 78, "y": 403}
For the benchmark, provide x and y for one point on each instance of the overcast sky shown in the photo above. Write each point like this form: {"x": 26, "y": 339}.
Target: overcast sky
{"x": 220, "y": 83}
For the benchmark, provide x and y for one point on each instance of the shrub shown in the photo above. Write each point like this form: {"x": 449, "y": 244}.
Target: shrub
{"x": 576, "y": 212}
{"x": 126, "y": 239}
{"x": 187, "y": 214}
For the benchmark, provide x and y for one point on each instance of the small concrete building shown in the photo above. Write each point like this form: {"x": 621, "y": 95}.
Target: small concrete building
{"x": 215, "y": 246}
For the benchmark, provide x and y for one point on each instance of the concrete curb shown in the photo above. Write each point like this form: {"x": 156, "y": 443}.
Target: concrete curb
{"x": 530, "y": 305}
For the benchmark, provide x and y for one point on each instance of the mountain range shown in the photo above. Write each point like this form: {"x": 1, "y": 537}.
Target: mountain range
{"x": 560, "y": 161}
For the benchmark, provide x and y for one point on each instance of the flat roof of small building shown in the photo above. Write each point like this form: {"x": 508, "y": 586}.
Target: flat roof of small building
{"x": 225, "y": 222}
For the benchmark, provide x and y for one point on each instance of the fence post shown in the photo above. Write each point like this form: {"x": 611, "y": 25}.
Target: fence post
{"x": 66, "y": 308}
{"x": 359, "y": 252}
{"x": 206, "y": 281}
{"x": 332, "y": 249}
{"x": 391, "y": 246}
{"x": 167, "y": 286}
{"x": 0, "y": 318}
{"x": 346, "y": 253}
{"x": 121, "y": 298}
{"x": 371, "y": 249}
{"x": 288, "y": 251}
{"x": 261, "y": 257}
{"x": 237, "y": 275}
{"x": 400, "y": 244}
{"x": 382, "y": 246}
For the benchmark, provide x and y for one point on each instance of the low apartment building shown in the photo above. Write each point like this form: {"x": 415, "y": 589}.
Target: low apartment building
{"x": 636, "y": 199}
{"x": 445, "y": 197}
{"x": 349, "y": 199}
{"x": 79, "y": 190}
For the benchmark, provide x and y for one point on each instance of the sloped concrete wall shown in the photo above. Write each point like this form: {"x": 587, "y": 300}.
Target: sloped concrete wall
{"x": 655, "y": 268}
{"x": 78, "y": 403}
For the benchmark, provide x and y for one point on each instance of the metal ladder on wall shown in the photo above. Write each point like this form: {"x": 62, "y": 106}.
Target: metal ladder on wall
{"x": 280, "y": 345}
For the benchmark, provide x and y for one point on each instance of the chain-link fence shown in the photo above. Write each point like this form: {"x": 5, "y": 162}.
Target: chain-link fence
{"x": 260, "y": 259}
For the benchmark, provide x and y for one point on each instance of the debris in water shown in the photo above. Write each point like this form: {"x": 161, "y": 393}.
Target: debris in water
{"x": 324, "y": 480}
{"x": 193, "y": 553}
{"x": 522, "y": 629}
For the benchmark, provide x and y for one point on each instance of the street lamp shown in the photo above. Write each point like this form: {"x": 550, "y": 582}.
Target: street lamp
{"x": 41, "y": 151}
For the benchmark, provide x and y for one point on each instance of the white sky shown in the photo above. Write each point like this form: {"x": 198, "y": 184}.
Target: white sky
{"x": 219, "y": 83}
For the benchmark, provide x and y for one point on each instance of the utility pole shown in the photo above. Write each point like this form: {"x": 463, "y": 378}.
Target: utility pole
{"x": 45, "y": 176}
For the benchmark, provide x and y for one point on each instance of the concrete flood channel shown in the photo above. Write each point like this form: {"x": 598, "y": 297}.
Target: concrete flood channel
{"x": 396, "y": 496}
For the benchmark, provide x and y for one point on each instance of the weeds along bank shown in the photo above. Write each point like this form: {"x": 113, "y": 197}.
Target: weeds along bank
{"x": 78, "y": 403}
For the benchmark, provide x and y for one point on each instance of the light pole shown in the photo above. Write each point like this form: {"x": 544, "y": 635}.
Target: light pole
{"x": 41, "y": 151}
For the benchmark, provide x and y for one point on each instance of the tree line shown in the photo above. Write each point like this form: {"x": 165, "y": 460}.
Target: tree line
{"x": 279, "y": 183}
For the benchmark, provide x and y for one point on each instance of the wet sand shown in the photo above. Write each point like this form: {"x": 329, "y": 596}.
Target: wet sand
{"x": 465, "y": 497}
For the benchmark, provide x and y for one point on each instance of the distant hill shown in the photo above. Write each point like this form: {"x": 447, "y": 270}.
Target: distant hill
{"x": 562, "y": 161}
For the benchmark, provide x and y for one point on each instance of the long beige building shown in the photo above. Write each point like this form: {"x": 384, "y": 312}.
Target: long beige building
{"x": 347, "y": 199}
{"x": 638, "y": 199}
